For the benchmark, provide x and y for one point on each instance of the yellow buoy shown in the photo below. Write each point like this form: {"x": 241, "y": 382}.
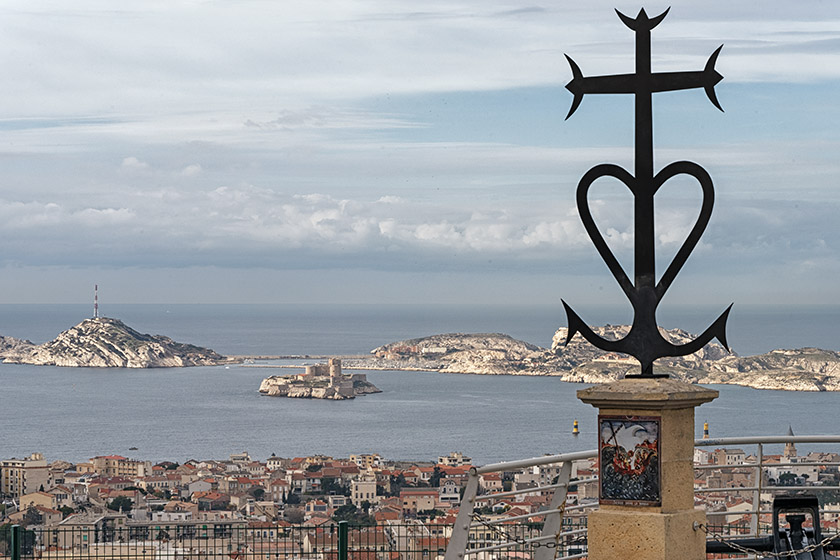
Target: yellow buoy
{"x": 575, "y": 430}
{"x": 705, "y": 430}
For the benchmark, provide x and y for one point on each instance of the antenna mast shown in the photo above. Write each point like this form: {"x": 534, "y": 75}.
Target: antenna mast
{"x": 95, "y": 301}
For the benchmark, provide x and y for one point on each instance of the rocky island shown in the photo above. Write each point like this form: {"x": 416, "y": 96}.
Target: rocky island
{"x": 108, "y": 343}
{"x": 804, "y": 369}
{"x": 321, "y": 381}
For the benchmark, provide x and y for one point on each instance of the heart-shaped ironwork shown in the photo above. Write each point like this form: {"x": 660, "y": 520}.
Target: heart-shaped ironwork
{"x": 677, "y": 168}
{"x": 644, "y": 300}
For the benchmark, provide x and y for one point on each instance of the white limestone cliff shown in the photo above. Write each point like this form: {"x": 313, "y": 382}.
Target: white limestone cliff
{"x": 805, "y": 369}
{"x": 108, "y": 343}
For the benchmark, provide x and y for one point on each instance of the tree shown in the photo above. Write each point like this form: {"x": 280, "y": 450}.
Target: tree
{"x": 121, "y": 504}
{"x": 66, "y": 511}
{"x": 292, "y": 498}
{"x": 352, "y": 515}
{"x": 827, "y": 497}
{"x": 434, "y": 480}
{"x": 787, "y": 479}
{"x": 332, "y": 486}
{"x": 345, "y": 511}
{"x": 535, "y": 525}
{"x": 5, "y": 538}
{"x": 32, "y": 517}
{"x": 429, "y": 513}
{"x": 328, "y": 485}
{"x": 397, "y": 483}
{"x": 294, "y": 515}
{"x": 257, "y": 493}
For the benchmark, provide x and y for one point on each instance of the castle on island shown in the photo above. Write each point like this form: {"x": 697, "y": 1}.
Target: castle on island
{"x": 331, "y": 371}
{"x": 319, "y": 381}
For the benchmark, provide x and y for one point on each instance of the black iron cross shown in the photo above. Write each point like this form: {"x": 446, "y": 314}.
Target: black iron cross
{"x": 644, "y": 341}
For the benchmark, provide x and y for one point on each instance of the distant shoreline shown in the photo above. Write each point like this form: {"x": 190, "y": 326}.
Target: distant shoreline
{"x": 804, "y": 369}
{"x": 373, "y": 366}
{"x": 297, "y": 356}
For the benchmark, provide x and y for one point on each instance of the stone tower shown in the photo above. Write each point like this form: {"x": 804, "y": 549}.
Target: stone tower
{"x": 335, "y": 368}
{"x": 790, "y": 448}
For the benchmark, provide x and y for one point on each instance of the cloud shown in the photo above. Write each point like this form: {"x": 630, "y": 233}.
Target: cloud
{"x": 373, "y": 136}
{"x": 324, "y": 117}
{"x": 191, "y": 170}
{"x": 252, "y": 226}
{"x": 154, "y": 60}
{"x": 132, "y": 162}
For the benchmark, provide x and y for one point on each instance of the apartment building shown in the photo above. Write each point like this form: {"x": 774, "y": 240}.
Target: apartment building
{"x": 24, "y": 476}
{"x": 116, "y": 465}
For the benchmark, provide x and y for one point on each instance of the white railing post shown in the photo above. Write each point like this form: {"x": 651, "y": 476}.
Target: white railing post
{"x": 554, "y": 523}
{"x": 457, "y": 546}
{"x": 759, "y": 473}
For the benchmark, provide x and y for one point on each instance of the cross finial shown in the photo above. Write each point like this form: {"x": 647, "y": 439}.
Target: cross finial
{"x": 644, "y": 340}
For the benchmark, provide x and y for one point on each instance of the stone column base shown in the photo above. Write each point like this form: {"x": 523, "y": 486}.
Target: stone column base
{"x": 639, "y": 535}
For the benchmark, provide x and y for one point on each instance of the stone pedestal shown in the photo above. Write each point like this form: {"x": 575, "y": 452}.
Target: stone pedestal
{"x": 664, "y": 531}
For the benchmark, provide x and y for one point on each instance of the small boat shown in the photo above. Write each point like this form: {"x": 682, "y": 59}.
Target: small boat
{"x": 132, "y": 449}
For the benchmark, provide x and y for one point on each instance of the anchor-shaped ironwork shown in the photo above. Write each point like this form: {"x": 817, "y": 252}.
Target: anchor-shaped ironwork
{"x": 644, "y": 341}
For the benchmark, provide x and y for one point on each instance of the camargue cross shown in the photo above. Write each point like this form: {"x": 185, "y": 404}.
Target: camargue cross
{"x": 644, "y": 341}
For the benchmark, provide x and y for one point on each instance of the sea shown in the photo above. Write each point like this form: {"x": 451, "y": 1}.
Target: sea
{"x": 210, "y": 412}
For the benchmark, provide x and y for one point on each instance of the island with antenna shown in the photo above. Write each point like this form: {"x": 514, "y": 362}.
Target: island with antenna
{"x": 108, "y": 343}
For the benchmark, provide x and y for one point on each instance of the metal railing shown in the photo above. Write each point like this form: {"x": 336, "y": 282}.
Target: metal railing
{"x": 199, "y": 541}
{"x": 475, "y": 535}
{"x": 760, "y": 482}
{"x": 571, "y": 541}
{"x": 481, "y": 531}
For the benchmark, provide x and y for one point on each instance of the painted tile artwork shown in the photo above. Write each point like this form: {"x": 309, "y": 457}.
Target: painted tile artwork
{"x": 629, "y": 457}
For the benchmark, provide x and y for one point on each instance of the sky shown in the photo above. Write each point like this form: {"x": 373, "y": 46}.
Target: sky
{"x": 383, "y": 151}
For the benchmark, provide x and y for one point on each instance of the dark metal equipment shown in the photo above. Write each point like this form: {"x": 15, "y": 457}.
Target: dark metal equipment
{"x": 796, "y": 510}
{"x": 644, "y": 341}
{"x": 794, "y": 541}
